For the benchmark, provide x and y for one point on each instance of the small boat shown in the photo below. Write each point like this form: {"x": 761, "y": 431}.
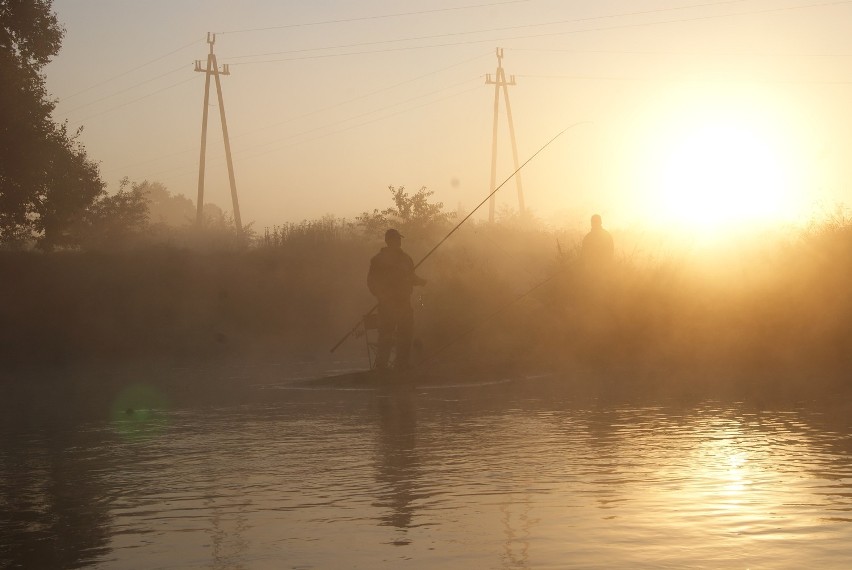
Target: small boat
{"x": 363, "y": 379}
{"x": 392, "y": 379}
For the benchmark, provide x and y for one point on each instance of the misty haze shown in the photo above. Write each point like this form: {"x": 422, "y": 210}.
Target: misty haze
{"x": 512, "y": 284}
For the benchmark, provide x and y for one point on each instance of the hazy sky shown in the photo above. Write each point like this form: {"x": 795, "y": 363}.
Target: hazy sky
{"x": 688, "y": 108}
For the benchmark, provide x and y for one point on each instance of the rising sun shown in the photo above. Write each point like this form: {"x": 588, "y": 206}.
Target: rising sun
{"x": 718, "y": 168}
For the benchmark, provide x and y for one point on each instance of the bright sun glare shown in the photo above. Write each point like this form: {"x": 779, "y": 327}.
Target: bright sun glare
{"x": 721, "y": 168}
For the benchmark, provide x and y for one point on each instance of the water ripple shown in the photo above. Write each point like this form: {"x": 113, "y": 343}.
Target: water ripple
{"x": 433, "y": 477}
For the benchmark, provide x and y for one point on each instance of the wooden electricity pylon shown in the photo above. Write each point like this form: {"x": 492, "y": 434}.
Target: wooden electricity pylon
{"x": 498, "y": 82}
{"x": 213, "y": 69}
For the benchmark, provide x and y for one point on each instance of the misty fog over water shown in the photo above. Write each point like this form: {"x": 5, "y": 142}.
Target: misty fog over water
{"x": 641, "y": 360}
{"x": 251, "y": 467}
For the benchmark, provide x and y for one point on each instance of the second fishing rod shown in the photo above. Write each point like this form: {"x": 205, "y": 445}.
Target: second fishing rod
{"x": 357, "y": 325}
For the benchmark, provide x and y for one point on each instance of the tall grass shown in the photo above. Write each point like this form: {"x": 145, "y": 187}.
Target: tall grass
{"x": 768, "y": 313}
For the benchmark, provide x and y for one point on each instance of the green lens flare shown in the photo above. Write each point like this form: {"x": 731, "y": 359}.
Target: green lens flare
{"x": 139, "y": 411}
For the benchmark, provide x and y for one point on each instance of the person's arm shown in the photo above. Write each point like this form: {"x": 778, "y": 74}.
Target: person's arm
{"x": 415, "y": 279}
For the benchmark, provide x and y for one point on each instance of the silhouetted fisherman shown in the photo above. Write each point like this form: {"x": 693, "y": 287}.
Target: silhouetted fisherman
{"x": 598, "y": 250}
{"x": 392, "y": 279}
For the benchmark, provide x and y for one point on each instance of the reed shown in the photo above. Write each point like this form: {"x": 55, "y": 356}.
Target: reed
{"x": 773, "y": 314}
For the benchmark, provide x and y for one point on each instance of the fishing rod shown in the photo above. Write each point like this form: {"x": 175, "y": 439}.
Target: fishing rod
{"x": 458, "y": 225}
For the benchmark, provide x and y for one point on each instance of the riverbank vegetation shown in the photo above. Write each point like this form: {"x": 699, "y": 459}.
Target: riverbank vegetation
{"x": 762, "y": 311}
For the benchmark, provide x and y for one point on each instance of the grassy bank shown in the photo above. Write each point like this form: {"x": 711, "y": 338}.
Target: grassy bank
{"x": 770, "y": 313}
{"x": 174, "y": 305}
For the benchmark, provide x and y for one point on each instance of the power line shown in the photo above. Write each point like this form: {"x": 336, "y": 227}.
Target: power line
{"x": 365, "y": 52}
{"x": 156, "y": 158}
{"x": 364, "y": 96}
{"x": 376, "y": 17}
{"x": 132, "y": 87}
{"x": 488, "y": 30}
{"x": 111, "y": 109}
{"x": 343, "y": 121}
{"x": 377, "y": 119}
{"x": 322, "y": 109}
{"x": 603, "y": 28}
{"x": 682, "y": 53}
{"x": 365, "y": 114}
{"x": 278, "y": 143}
{"x": 523, "y": 37}
{"x": 702, "y": 80}
{"x": 694, "y": 19}
{"x": 129, "y": 71}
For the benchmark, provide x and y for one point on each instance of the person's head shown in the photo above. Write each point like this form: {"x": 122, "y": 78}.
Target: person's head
{"x": 597, "y": 223}
{"x": 393, "y": 238}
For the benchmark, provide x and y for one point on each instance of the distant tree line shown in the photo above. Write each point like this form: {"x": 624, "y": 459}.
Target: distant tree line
{"x": 52, "y": 195}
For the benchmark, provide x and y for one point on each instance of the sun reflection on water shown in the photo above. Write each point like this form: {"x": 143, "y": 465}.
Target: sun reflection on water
{"x": 435, "y": 480}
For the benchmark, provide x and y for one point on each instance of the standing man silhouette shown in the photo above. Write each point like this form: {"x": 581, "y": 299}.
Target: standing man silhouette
{"x": 392, "y": 279}
{"x": 598, "y": 250}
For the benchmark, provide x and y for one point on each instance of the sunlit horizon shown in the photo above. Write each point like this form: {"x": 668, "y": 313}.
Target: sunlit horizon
{"x": 727, "y": 160}
{"x": 318, "y": 129}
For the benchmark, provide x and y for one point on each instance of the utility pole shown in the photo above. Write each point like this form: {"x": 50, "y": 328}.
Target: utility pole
{"x": 498, "y": 82}
{"x": 212, "y": 68}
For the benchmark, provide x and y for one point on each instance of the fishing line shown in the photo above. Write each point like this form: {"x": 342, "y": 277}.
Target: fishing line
{"x": 452, "y": 231}
{"x": 457, "y": 226}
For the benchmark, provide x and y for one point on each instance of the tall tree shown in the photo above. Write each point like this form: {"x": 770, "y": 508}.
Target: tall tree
{"x": 46, "y": 179}
{"x": 113, "y": 222}
{"x": 164, "y": 207}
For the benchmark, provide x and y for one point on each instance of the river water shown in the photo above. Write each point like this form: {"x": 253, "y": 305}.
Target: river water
{"x": 177, "y": 471}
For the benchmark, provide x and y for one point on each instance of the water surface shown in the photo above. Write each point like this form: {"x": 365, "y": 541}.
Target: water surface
{"x": 181, "y": 472}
